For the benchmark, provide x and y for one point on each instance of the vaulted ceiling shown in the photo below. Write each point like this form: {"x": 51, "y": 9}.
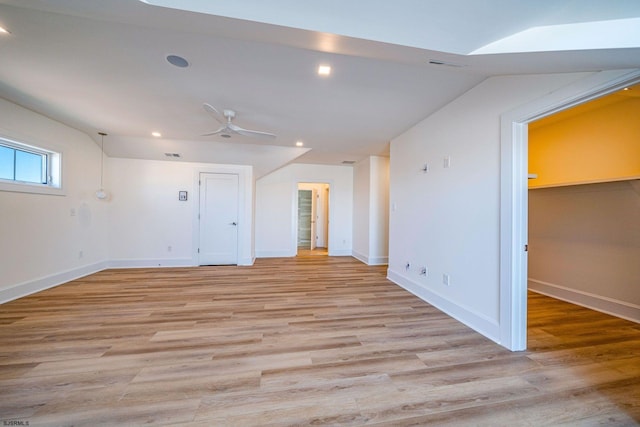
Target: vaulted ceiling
{"x": 101, "y": 66}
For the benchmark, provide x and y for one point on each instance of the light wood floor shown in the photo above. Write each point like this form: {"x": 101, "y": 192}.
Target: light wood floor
{"x": 302, "y": 252}
{"x": 299, "y": 341}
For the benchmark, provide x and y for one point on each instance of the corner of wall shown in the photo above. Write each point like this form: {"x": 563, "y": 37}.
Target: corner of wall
{"x": 599, "y": 303}
{"x": 31, "y": 287}
{"x": 485, "y": 326}
{"x": 380, "y": 260}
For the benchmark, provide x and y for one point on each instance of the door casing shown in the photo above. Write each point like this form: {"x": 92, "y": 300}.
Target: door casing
{"x": 218, "y": 218}
{"x": 514, "y": 192}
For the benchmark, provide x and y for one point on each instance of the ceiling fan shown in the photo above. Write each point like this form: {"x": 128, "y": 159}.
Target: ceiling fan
{"x": 229, "y": 128}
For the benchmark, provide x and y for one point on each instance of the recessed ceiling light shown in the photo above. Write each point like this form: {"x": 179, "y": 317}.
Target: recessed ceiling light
{"x": 324, "y": 70}
{"x": 156, "y": 134}
{"x": 178, "y": 61}
{"x": 4, "y": 30}
{"x": 299, "y": 143}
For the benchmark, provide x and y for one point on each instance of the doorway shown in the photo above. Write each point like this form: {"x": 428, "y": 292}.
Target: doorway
{"x": 583, "y": 204}
{"x": 514, "y": 193}
{"x": 218, "y": 217}
{"x": 312, "y": 219}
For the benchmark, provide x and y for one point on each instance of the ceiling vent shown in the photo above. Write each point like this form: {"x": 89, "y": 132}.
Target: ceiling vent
{"x": 173, "y": 155}
{"x": 348, "y": 162}
{"x": 446, "y": 64}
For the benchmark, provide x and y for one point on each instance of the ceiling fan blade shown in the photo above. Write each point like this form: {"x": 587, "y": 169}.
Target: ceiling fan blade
{"x": 256, "y": 133}
{"x": 214, "y": 132}
{"x": 252, "y": 133}
{"x": 215, "y": 113}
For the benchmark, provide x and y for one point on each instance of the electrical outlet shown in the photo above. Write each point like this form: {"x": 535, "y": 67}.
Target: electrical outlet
{"x": 447, "y": 162}
{"x": 424, "y": 271}
{"x": 169, "y": 248}
{"x": 445, "y": 279}
{"x": 80, "y": 254}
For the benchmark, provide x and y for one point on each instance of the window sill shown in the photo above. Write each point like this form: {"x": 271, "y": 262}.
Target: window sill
{"x": 33, "y": 189}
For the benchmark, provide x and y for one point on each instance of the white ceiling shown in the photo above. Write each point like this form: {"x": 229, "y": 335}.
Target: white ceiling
{"x": 100, "y": 66}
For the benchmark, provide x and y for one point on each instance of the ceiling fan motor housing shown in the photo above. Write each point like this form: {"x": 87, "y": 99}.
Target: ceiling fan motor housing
{"x": 229, "y": 128}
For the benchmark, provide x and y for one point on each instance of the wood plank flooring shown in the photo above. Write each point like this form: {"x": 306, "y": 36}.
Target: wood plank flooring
{"x": 299, "y": 341}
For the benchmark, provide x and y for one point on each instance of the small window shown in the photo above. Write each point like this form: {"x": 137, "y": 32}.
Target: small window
{"x": 25, "y": 168}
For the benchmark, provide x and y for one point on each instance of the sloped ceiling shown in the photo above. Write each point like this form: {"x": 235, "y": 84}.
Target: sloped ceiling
{"x": 101, "y": 66}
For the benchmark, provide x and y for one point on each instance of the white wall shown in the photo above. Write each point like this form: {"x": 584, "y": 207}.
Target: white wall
{"x": 276, "y": 215}
{"x": 146, "y": 217}
{"x": 448, "y": 218}
{"x": 584, "y": 245}
{"x": 371, "y": 210}
{"x": 41, "y": 240}
{"x": 51, "y": 239}
{"x": 379, "y": 212}
{"x": 361, "y": 207}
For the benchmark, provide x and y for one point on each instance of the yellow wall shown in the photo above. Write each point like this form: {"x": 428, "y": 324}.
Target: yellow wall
{"x": 593, "y": 143}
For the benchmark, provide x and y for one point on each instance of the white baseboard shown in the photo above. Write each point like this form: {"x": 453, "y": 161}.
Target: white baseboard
{"x": 340, "y": 252}
{"x": 246, "y": 262}
{"x": 289, "y": 254}
{"x": 275, "y": 254}
{"x": 31, "y": 287}
{"x": 481, "y": 324}
{"x": 360, "y": 257}
{"x": 380, "y": 260}
{"x": 150, "y": 263}
{"x": 370, "y": 260}
{"x": 600, "y": 303}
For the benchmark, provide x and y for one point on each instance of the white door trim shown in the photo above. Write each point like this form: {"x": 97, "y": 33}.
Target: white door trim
{"x": 246, "y": 255}
{"x": 294, "y": 212}
{"x": 514, "y": 192}
{"x": 314, "y": 219}
{"x": 225, "y": 229}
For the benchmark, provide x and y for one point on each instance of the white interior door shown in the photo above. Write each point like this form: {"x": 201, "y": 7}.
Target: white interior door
{"x": 218, "y": 219}
{"x": 314, "y": 218}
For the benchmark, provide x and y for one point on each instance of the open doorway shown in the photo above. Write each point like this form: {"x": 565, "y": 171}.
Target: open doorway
{"x": 514, "y": 193}
{"x": 584, "y": 203}
{"x": 313, "y": 219}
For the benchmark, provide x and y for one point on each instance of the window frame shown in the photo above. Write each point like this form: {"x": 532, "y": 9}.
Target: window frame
{"x": 52, "y": 162}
